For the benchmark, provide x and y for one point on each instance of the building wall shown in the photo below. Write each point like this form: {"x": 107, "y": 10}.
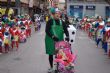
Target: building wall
{"x": 100, "y": 8}
{"x": 61, "y": 5}
{"x": 36, "y": 3}
{"x": 25, "y": 1}
{"x": 6, "y": 0}
{"x": 24, "y": 8}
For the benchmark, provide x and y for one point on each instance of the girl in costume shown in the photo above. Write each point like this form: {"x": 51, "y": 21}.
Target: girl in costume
{"x": 15, "y": 37}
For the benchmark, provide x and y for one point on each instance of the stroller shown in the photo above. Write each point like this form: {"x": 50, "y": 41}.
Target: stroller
{"x": 64, "y": 58}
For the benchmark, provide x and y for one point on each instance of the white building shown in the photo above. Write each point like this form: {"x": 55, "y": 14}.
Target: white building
{"x": 81, "y": 8}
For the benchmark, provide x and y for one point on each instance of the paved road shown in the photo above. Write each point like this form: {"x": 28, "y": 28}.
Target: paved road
{"x": 90, "y": 59}
{"x": 31, "y": 58}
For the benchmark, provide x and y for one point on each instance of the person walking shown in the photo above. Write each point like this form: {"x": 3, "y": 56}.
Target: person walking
{"x": 55, "y": 29}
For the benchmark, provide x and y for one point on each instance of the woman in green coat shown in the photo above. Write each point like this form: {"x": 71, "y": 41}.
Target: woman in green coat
{"x": 55, "y": 29}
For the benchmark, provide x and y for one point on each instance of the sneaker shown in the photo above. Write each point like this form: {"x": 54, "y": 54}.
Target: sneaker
{"x": 96, "y": 46}
{"x": 50, "y": 70}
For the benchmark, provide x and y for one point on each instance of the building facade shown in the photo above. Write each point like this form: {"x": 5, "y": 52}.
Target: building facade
{"x": 81, "y": 8}
{"x": 20, "y": 6}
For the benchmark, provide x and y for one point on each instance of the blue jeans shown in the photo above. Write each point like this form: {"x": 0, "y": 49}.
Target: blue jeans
{"x": 98, "y": 41}
{"x": 105, "y": 46}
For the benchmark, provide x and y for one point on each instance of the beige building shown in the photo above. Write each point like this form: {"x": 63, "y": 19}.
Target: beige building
{"x": 22, "y": 7}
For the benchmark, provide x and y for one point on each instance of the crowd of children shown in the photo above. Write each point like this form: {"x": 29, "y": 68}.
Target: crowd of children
{"x": 98, "y": 29}
{"x": 13, "y": 30}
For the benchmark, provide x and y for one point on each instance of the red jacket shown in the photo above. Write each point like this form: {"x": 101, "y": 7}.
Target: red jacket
{"x": 14, "y": 32}
{"x": 1, "y": 35}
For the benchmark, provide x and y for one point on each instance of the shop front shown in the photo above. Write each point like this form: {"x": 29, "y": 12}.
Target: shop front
{"x": 107, "y": 11}
{"x": 76, "y": 11}
{"x": 90, "y": 10}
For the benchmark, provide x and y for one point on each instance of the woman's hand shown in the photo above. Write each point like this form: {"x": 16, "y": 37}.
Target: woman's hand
{"x": 55, "y": 38}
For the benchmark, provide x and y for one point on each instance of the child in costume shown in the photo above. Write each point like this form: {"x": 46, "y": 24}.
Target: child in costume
{"x": 106, "y": 36}
{"x": 27, "y": 29}
{"x": 89, "y": 28}
{"x": 108, "y": 41}
{"x": 35, "y": 25}
{"x": 15, "y": 37}
{"x": 1, "y": 40}
{"x": 93, "y": 29}
{"x": 30, "y": 24}
{"x": 6, "y": 41}
{"x": 22, "y": 36}
{"x": 38, "y": 22}
{"x": 99, "y": 34}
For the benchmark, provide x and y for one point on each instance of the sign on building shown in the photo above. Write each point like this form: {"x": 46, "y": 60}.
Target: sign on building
{"x": 90, "y": 7}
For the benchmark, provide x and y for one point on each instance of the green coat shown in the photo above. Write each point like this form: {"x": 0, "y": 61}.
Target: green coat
{"x": 56, "y": 30}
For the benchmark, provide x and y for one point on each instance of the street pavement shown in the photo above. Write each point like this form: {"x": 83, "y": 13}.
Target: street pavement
{"x": 89, "y": 58}
{"x": 31, "y": 57}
